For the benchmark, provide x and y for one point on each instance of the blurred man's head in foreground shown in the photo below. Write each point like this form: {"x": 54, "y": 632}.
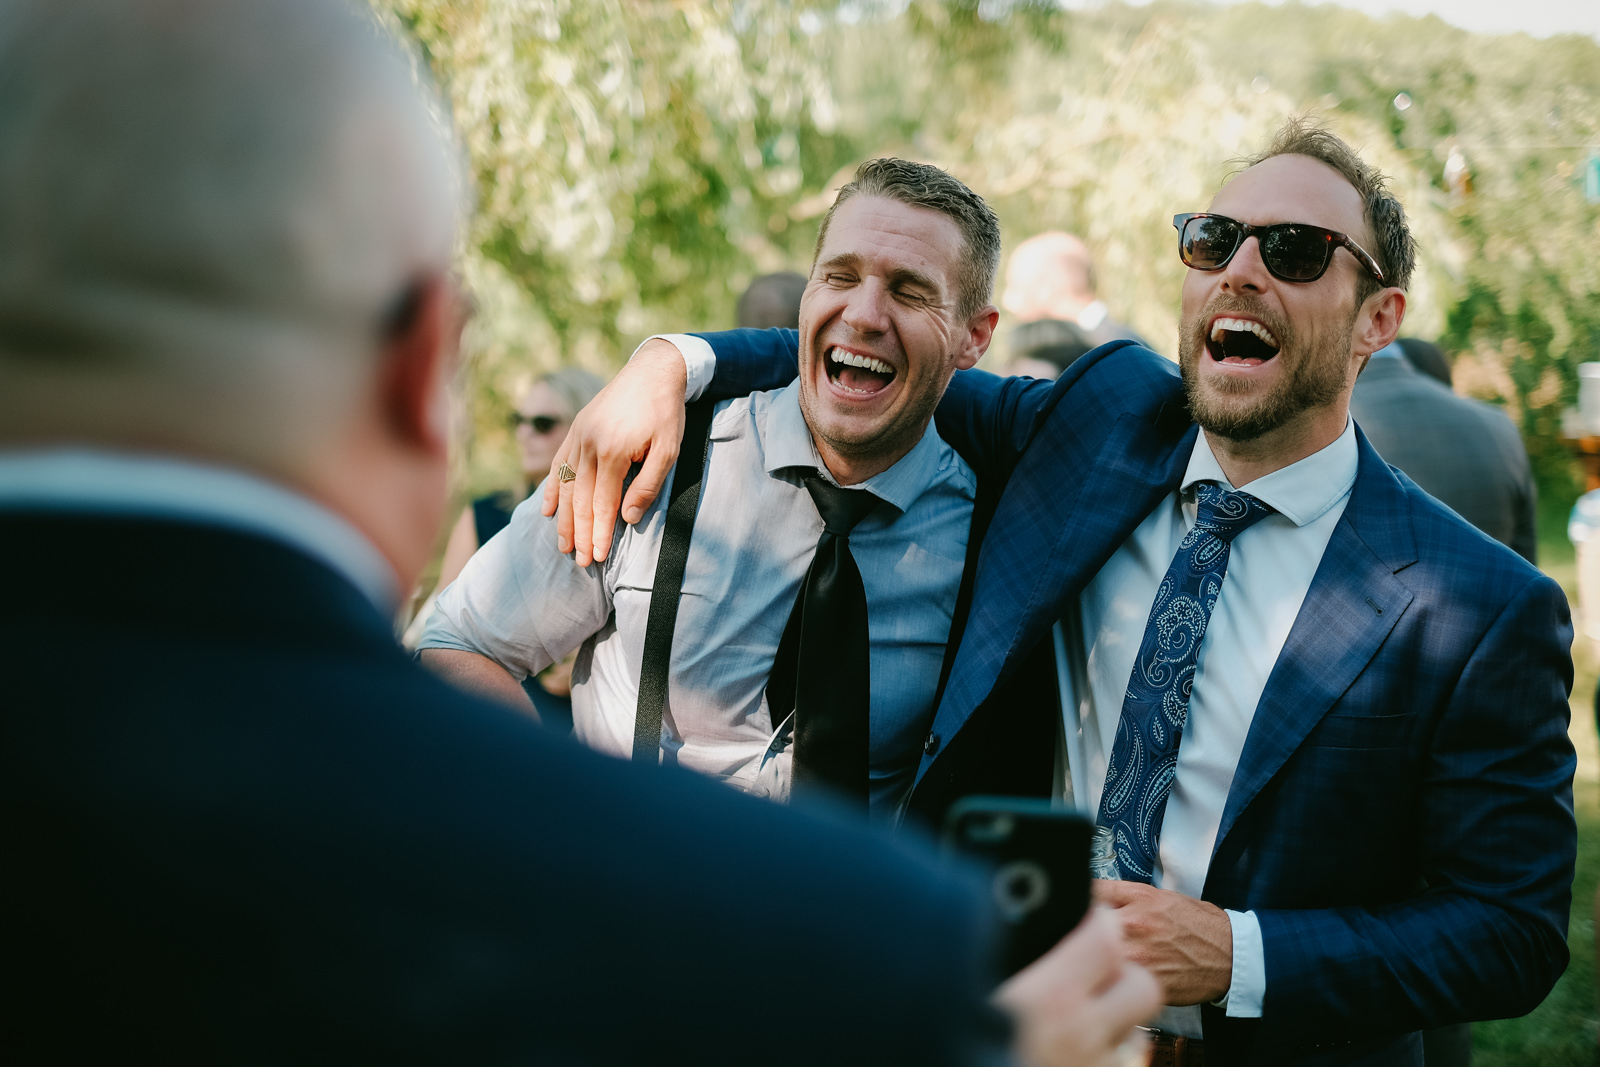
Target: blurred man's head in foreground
{"x": 225, "y": 232}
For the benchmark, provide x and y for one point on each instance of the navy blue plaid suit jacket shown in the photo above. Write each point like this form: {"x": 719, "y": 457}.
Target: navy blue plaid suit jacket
{"x": 1401, "y": 818}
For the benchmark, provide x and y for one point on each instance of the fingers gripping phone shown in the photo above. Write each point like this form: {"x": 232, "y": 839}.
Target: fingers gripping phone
{"x": 1038, "y": 861}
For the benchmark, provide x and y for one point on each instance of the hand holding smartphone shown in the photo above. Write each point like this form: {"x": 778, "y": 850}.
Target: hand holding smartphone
{"x": 1038, "y": 858}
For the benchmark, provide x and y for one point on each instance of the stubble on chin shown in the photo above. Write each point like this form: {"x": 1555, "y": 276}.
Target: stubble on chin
{"x": 1223, "y": 407}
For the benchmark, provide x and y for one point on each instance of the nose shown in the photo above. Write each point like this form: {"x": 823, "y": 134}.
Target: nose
{"x": 867, "y": 310}
{"x": 1245, "y": 271}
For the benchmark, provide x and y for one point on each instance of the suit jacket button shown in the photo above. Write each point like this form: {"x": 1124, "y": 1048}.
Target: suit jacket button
{"x": 931, "y": 745}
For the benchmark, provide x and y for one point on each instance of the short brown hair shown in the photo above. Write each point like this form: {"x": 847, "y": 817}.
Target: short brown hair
{"x": 921, "y": 185}
{"x": 1396, "y": 250}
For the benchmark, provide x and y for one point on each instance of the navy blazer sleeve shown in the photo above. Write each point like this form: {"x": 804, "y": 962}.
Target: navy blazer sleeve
{"x": 751, "y": 360}
{"x": 988, "y": 418}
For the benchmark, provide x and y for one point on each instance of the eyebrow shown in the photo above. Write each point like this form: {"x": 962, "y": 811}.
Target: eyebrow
{"x": 899, "y": 276}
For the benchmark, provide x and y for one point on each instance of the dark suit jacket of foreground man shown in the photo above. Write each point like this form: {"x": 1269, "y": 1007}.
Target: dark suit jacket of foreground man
{"x": 244, "y": 828}
{"x": 1401, "y": 817}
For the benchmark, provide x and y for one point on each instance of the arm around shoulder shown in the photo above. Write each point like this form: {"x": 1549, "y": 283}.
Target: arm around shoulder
{"x": 748, "y": 361}
{"x": 991, "y": 420}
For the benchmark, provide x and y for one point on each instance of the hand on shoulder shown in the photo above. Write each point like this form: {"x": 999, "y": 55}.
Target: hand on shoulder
{"x": 637, "y": 418}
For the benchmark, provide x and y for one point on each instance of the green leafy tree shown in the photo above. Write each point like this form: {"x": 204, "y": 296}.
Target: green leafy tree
{"x": 636, "y": 163}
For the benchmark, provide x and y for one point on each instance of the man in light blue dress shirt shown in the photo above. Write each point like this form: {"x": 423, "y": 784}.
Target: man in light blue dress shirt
{"x": 899, "y": 301}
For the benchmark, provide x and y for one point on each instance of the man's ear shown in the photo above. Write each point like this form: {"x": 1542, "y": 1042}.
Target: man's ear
{"x": 980, "y": 331}
{"x": 1379, "y": 321}
{"x": 417, "y": 358}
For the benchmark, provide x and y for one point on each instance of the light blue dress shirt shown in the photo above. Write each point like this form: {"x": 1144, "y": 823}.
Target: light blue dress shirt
{"x": 525, "y": 605}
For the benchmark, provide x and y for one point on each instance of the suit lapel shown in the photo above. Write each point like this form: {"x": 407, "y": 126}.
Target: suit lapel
{"x": 1352, "y": 605}
{"x": 1048, "y": 539}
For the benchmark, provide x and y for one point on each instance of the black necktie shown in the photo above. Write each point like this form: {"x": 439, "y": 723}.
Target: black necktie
{"x": 821, "y": 671}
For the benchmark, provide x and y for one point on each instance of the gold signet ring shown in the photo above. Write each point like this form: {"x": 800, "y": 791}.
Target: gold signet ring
{"x": 566, "y": 473}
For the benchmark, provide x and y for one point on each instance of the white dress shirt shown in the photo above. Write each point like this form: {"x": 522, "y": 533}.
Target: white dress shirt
{"x": 1270, "y": 569}
{"x": 113, "y": 483}
{"x": 525, "y": 605}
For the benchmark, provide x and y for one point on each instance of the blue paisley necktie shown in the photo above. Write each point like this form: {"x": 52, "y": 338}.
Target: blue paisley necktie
{"x": 1144, "y": 756}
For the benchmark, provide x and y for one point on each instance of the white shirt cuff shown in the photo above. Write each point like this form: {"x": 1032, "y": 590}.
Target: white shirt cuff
{"x": 1244, "y": 997}
{"x": 698, "y": 360}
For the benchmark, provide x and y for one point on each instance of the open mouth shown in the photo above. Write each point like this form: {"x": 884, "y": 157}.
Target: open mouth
{"x": 1241, "y": 342}
{"x": 855, "y": 373}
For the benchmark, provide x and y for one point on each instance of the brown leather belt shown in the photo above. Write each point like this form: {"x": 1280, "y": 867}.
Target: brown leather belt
{"x": 1171, "y": 1050}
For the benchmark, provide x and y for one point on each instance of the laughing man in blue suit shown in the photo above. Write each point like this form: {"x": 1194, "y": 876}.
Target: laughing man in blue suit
{"x": 1367, "y": 830}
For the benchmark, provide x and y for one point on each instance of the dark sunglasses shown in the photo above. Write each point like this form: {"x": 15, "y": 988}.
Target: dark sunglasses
{"x": 1293, "y": 251}
{"x": 540, "y": 424}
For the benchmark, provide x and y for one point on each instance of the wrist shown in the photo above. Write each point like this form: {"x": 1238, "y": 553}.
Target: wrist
{"x": 660, "y": 358}
{"x": 696, "y": 360}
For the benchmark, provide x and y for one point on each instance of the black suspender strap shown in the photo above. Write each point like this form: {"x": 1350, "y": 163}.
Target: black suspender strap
{"x": 668, "y": 588}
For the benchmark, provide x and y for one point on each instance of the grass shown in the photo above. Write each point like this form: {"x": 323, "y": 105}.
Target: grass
{"x": 1564, "y": 1029}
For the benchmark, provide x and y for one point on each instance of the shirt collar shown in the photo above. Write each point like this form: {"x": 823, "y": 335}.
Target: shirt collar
{"x": 1093, "y": 315}
{"x": 788, "y": 443}
{"x": 1303, "y": 491}
{"x": 95, "y": 482}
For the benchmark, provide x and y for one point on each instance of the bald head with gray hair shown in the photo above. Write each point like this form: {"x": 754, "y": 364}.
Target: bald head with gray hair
{"x": 210, "y": 213}
{"x": 1050, "y": 276}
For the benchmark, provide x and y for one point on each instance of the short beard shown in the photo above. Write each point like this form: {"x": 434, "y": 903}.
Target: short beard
{"x": 1317, "y": 378}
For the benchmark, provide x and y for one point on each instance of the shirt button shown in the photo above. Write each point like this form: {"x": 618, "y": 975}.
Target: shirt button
{"x": 931, "y": 745}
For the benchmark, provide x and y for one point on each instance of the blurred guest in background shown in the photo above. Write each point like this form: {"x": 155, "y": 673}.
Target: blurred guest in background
{"x": 1465, "y": 452}
{"x": 771, "y": 302}
{"x": 543, "y": 412}
{"x": 242, "y": 825}
{"x": 540, "y": 420}
{"x": 1427, "y": 357}
{"x": 1046, "y": 347}
{"x": 1052, "y": 276}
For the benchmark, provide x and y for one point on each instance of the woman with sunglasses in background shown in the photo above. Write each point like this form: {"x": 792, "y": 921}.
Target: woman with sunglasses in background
{"x": 540, "y": 420}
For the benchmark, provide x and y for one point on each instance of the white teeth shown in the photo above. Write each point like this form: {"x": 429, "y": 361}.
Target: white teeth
{"x": 1242, "y": 326}
{"x": 850, "y": 359}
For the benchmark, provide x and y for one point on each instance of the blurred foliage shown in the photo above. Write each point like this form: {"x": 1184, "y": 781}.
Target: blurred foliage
{"x": 636, "y": 163}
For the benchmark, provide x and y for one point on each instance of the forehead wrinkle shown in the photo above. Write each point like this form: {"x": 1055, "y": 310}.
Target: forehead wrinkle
{"x": 841, "y": 259}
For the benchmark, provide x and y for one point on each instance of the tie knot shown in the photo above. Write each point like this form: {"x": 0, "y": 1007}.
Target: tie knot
{"x": 1226, "y": 513}
{"x": 840, "y": 508}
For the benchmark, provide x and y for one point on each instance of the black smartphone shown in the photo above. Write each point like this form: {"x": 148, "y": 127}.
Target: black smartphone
{"x": 1037, "y": 856}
